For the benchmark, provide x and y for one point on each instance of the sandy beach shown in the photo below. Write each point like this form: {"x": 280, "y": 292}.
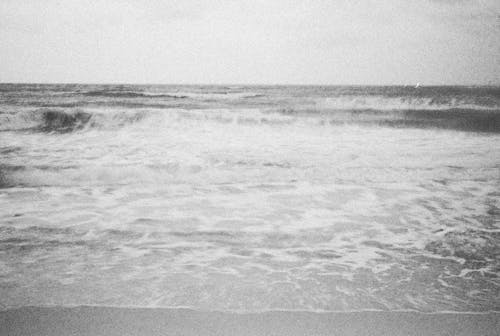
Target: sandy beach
{"x": 143, "y": 321}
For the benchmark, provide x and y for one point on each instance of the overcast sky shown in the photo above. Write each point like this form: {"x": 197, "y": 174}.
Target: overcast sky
{"x": 254, "y": 41}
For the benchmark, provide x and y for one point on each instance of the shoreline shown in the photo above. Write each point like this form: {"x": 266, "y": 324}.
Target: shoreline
{"x": 96, "y": 320}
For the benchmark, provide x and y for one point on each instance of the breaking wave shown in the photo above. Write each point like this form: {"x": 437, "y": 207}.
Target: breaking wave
{"x": 45, "y": 120}
{"x": 384, "y": 103}
{"x": 69, "y": 120}
{"x": 66, "y": 120}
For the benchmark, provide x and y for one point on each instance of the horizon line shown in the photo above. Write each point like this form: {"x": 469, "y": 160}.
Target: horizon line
{"x": 252, "y": 84}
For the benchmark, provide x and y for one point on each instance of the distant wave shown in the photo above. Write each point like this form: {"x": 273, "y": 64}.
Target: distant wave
{"x": 195, "y": 96}
{"x": 222, "y": 95}
{"x": 130, "y": 94}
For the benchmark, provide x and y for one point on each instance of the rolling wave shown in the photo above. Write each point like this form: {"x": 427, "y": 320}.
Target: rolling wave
{"x": 66, "y": 120}
{"x": 45, "y": 120}
{"x": 70, "y": 119}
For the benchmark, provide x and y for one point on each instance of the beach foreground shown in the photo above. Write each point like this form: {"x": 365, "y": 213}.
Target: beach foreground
{"x": 147, "y": 321}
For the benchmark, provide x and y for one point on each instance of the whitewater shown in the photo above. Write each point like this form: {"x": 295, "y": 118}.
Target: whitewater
{"x": 250, "y": 198}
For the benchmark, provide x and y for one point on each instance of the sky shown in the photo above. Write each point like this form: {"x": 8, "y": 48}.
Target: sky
{"x": 431, "y": 42}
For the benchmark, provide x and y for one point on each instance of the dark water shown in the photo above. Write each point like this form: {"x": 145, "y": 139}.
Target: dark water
{"x": 250, "y": 198}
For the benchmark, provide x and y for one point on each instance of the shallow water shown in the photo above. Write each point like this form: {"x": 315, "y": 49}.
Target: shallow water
{"x": 250, "y": 198}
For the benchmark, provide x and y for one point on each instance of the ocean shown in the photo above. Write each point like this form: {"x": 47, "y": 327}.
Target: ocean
{"x": 250, "y": 198}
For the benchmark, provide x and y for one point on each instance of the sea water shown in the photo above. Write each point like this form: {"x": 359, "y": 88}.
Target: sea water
{"x": 250, "y": 198}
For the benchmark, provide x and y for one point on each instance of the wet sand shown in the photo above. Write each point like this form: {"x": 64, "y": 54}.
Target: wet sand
{"x": 147, "y": 321}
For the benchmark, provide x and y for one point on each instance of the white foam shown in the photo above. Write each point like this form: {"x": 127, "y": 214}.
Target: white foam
{"x": 382, "y": 103}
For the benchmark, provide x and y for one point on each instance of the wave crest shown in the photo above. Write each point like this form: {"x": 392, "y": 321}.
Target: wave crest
{"x": 383, "y": 103}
